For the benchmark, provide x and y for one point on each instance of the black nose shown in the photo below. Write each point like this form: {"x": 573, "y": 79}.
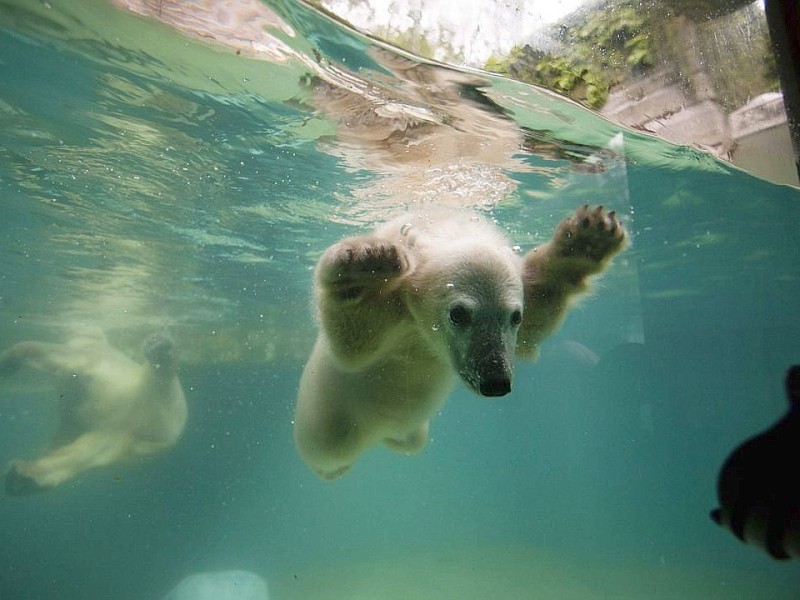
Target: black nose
{"x": 498, "y": 386}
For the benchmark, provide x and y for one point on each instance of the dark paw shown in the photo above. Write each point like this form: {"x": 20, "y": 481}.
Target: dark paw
{"x": 371, "y": 257}
{"x": 19, "y": 484}
{"x": 590, "y": 233}
{"x": 354, "y": 266}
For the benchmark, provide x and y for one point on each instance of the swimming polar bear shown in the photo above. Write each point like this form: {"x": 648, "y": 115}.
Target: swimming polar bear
{"x": 424, "y": 298}
{"x": 112, "y": 409}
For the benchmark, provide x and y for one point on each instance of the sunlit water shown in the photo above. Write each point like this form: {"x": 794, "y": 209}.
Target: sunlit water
{"x": 179, "y": 176}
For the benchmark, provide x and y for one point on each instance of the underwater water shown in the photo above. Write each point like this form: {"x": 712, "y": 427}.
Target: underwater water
{"x": 181, "y": 167}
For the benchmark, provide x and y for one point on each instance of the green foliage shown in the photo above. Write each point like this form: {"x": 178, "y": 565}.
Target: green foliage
{"x": 615, "y": 41}
{"x": 504, "y": 65}
{"x": 556, "y": 73}
{"x": 413, "y": 42}
{"x": 597, "y": 51}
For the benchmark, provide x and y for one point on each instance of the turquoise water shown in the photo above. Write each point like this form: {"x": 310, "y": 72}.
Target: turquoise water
{"x": 155, "y": 178}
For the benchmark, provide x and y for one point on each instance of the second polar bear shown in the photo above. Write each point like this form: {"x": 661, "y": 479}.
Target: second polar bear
{"x": 421, "y": 300}
{"x": 112, "y": 409}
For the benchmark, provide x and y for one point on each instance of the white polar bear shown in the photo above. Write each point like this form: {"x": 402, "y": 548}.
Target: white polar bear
{"x": 421, "y": 299}
{"x": 112, "y": 409}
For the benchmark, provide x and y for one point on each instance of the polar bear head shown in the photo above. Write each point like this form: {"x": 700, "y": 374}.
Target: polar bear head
{"x": 159, "y": 350}
{"x": 469, "y": 303}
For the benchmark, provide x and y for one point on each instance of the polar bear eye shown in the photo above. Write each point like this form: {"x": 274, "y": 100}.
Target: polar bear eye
{"x": 460, "y": 316}
{"x": 516, "y": 318}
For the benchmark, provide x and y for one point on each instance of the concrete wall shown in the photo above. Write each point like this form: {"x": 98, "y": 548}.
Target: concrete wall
{"x": 754, "y": 137}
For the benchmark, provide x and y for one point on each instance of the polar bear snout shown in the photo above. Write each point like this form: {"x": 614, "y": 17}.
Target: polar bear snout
{"x": 496, "y": 386}
{"x": 491, "y": 376}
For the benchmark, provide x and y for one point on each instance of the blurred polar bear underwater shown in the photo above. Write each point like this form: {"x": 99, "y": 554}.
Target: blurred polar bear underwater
{"x": 220, "y": 585}
{"x": 112, "y": 409}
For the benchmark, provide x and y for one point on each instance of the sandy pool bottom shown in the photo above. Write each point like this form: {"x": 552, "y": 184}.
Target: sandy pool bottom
{"x": 520, "y": 573}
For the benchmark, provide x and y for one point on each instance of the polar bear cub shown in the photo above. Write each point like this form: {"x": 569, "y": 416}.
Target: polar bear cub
{"x": 112, "y": 409}
{"x": 423, "y": 299}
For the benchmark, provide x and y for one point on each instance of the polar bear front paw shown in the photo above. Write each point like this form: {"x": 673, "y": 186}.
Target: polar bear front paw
{"x": 353, "y": 265}
{"x": 591, "y": 234}
{"x": 18, "y": 483}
